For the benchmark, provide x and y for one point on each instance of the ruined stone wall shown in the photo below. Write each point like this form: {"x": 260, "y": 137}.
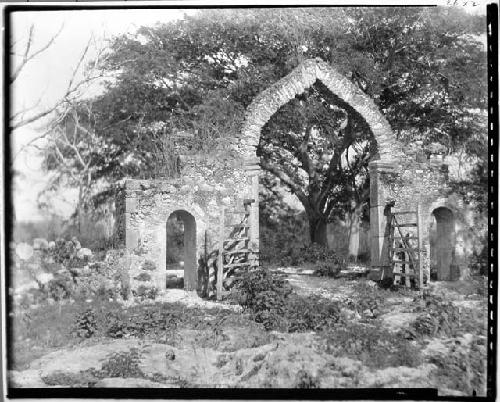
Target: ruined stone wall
{"x": 407, "y": 183}
{"x": 206, "y": 184}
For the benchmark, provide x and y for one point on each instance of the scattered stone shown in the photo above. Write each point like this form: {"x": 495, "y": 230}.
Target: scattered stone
{"x": 44, "y": 277}
{"x": 170, "y": 355}
{"x": 84, "y": 252}
{"x": 26, "y": 379}
{"x": 24, "y": 251}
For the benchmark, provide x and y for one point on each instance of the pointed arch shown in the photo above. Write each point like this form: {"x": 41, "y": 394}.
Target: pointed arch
{"x": 304, "y": 76}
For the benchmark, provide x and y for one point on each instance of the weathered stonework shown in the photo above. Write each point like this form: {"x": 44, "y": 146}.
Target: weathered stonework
{"x": 205, "y": 186}
{"x": 295, "y": 83}
{"x": 406, "y": 183}
{"x": 209, "y": 182}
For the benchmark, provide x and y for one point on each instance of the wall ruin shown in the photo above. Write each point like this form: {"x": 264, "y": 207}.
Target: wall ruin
{"x": 208, "y": 183}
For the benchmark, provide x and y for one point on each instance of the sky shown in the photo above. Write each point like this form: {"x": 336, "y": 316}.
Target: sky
{"x": 45, "y": 79}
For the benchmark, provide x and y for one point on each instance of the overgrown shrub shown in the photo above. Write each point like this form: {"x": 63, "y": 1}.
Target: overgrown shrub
{"x": 143, "y": 277}
{"x": 261, "y": 289}
{"x": 145, "y": 293}
{"x": 462, "y": 368}
{"x": 367, "y": 297}
{"x": 65, "y": 252}
{"x": 148, "y": 265}
{"x": 60, "y": 287}
{"x": 327, "y": 269}
{"x": 85, "y": 324}
{"x": 304, "y": 379}
{"x": 311, "y": 313}
{"x": 374, "y": 346}
{"x": 272, "y": 303}
{"x": 61, "y": 378}
{"x": 122, "y": 364}
{"x": 437, "y": 317}
{"x": 478, "y": 261}
{"x": 316, "y": 254}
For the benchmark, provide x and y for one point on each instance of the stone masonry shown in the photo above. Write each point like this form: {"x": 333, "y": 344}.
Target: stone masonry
{"x": 208, "y": 183}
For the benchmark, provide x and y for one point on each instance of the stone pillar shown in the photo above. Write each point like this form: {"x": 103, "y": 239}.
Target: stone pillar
{"x": 253, "y": 170}
{"x": 378, "y": 221}
{"x": 131, "y": 235}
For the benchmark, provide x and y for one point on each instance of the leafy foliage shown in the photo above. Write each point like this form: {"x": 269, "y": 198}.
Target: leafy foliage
{"x": 148, "y": 265}
{"x": 437, "y": 317}
{"x": 305, "y": 380}
{"x": 274, "y": 304}
{"x": 85, "y": 325}
{"x": 122, "y": 364}
{"x": 313, "y": 253}
{"x": 143, "y": 277}
{"x": 145, "y": 292}
{"x": 374, "y": 346}
{"x": 201, "y": 73}
{"x": 463, "y": 367}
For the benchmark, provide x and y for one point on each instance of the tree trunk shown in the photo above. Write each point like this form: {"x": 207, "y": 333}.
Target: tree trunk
{"x": 318, "y": 230}
{"x": 79, "y": 206}
{"x": 354, "y": 233}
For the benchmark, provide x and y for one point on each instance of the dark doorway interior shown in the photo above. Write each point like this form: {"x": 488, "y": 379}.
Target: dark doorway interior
{"x": 442, "y": 242}
{"x": 181, "y": 249}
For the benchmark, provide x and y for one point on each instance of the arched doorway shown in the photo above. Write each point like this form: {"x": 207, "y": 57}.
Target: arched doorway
{"x": 181, "y": 246}
{"x": 442, "y": 244}
{"x": 351, "y": 96}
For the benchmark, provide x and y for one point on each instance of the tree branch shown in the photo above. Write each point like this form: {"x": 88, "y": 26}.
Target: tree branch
{"x": 287, "y": 180}
{"x": 27, "y": 57}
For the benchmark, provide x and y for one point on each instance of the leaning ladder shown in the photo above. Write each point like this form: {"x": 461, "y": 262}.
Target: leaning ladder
{"x": 405, "y": 248}
{"x": 234, "y": 251}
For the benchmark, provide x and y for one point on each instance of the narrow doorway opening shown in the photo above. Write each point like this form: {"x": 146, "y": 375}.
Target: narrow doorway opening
{"x": 442, "y": 245}
{"x": 181, "y": 250}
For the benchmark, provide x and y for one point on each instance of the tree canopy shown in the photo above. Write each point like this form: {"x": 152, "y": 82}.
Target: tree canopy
{"x": 425, "y": 68}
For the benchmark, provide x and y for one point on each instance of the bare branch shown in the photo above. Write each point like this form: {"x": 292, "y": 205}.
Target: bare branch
{"x": 27, "y": 57}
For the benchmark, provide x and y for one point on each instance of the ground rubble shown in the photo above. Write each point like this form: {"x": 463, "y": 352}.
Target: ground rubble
{"x": 239, "y": 356}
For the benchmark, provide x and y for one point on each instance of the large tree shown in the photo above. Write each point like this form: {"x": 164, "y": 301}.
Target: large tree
{"x": 424, "y": 68}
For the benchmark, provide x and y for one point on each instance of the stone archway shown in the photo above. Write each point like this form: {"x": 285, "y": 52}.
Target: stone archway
{"x": 302, "y": 77}
{"x": 442, "y": 244}
{"x": 189, "y": 248}
{"x": 389, "y": 150}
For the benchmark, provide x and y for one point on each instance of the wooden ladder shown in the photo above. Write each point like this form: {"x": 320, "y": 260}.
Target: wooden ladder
{"x": 234, "y": 256}
{"x": 405, "y": 248}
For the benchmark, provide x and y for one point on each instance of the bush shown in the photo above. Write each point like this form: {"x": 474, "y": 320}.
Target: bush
{"x": 376, "y": 347}
{"x": 478, "y": 262}
{"x": 260, "y": 289}
{"x": 437, "y": 317}
{"x": 316, "y": 254}
{"x": 143, "y": 277}
{"x": 462, "y": 368}
{"x": 122, "y": 364}
{"x": 85, "y": 325}
{"x": 328, "y": 269}
{"x": 273, "y": 304}
{"x": 305, "y": 380}
{"x": 145, "y": 293}
{"x": 312, "y": 313}
{"x": 148, "y": 265}
{"x": 61, "y": 287}
{"x": 60, "y": 378}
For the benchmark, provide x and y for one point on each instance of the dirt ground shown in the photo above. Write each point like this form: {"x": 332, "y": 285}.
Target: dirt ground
{"x": 238, "y": 356}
